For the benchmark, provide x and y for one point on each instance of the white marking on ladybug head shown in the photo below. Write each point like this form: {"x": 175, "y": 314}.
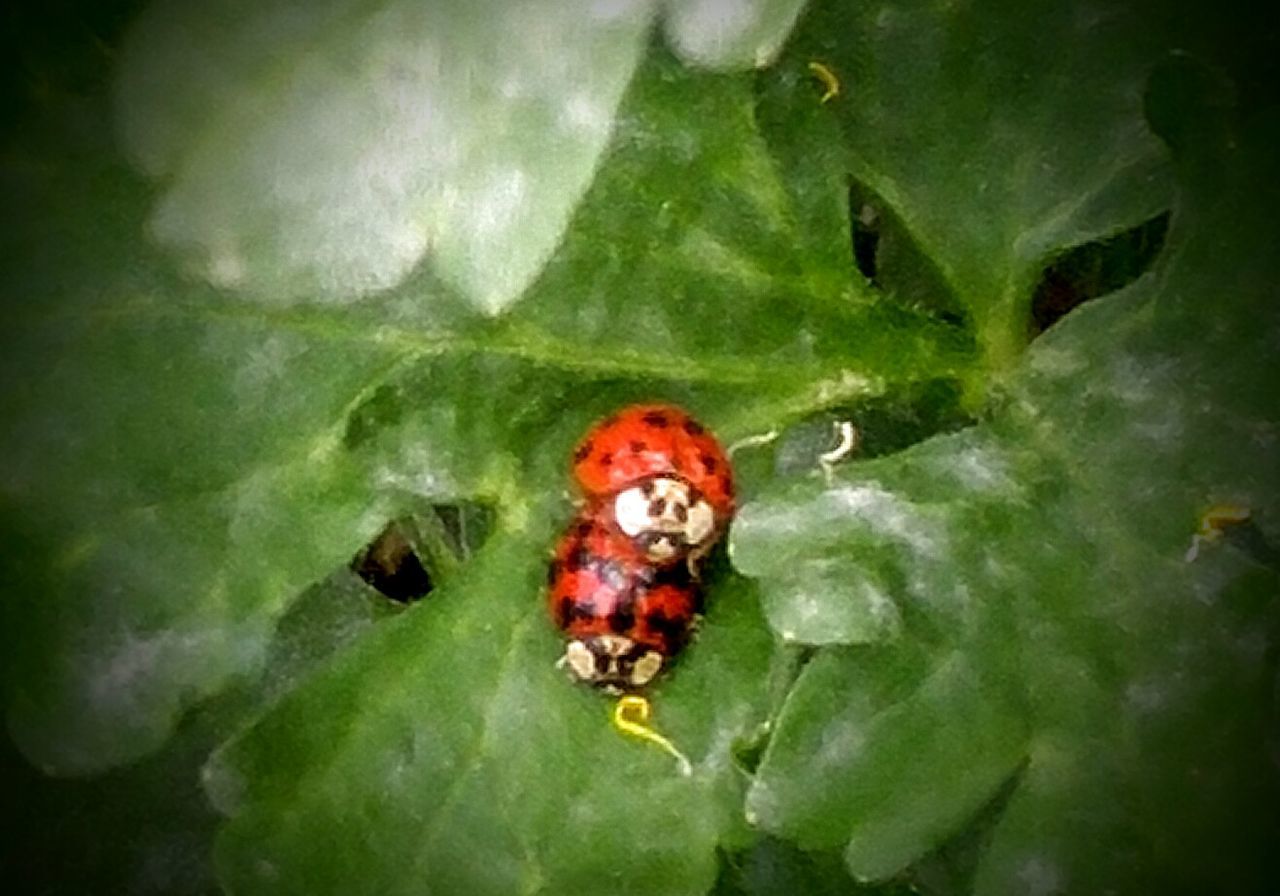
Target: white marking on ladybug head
{"x": 701, "y": 523}
{"x": 580, "y": 660}
{"x": 611, "y": 662}
{"x": 659, "y": 505}
{"x": 645, "y": 668}
{"x": 665, "y": 515}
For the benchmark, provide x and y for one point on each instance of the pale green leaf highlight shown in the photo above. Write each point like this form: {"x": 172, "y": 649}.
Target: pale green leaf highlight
{"x": 320, "y": 152}
{"x": 729, "y": 34}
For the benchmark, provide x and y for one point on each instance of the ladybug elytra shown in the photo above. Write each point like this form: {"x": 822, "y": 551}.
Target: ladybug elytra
{"x": 623, "y": 582}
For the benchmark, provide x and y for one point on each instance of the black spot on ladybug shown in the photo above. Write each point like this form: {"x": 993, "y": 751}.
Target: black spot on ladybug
{"x": 581, "y": 452}
{"x": 602, "y": 663}
{"x": 577, "y": 560}
{"x": 582, "y": 530}
{"x": 656, "y": 419}
{"x": 693, "y": 427}
{"x": 673, "y": 630}
{"x": 708, "y": 462}
{"x": 636, "y": 446}
{"x": 583, "y": 609}
{"x": 605, "y": 459}
{"x": 637, "y": 650}
{"x": 564, "y": 612}
{"x": 677, "y": 574}
{"x": 621, "y": 621}
{"x": 553, "y": 571}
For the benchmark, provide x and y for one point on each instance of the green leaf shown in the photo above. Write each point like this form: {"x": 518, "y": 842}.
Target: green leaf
{"x": 320, "y": 152}
{"x": 147, "y": 827}
{"x": 1004, "y": 674}
{"x": 736, "y": 34}
{"x": 997, "y": 133}
{"x": 1041, "y": 566}
{"x": 450, "y": 731}
{"x": 194, "y": 461}
{"x": 773, "y": 867}
{"x": 907, "y": 749}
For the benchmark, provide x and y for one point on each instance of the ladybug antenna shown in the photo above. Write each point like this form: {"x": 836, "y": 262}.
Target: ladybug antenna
{"x": 631, "y": 715}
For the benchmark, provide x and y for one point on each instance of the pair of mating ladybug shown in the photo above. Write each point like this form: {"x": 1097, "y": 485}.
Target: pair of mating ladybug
{"x": 624, "y": 580}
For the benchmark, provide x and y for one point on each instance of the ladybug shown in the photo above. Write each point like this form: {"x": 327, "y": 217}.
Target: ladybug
{"x": 667, "y": 479}
{"x": 625, "y": 616}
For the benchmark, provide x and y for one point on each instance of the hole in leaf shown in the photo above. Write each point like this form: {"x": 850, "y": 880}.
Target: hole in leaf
{"x": 886, "y": 254}
{"x": 864, "y": 231}
{"x": 390, "y": 565}
{"x": 413, "y": 555}
{"x": 1095, "y": 269}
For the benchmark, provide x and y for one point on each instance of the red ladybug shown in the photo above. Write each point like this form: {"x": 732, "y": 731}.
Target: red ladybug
{"x": 625, "y": 616}
{"x": 667, "y": 479}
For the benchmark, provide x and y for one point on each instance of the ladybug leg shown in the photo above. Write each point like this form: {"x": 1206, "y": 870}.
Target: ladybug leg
{"x": 697, "y": 552}
{"x": 691, "y": 562}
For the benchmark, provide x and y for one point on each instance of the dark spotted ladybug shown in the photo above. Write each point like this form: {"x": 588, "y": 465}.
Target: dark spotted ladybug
{"x": 665, "y": 478}
{"x": 624, "y": 616}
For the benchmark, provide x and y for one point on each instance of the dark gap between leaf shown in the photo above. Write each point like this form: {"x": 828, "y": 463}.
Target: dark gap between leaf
{"x": 747, "y": 750}
{"x": 885, "y": 425}
{"x": 885, "y": 253}
{"x": 55, "y": 50}
{"x": 952, "y": 867}
{"x": 771, "y": 865}
{"x": 1249, "y": 540}
{"x": 1095, "y": 269}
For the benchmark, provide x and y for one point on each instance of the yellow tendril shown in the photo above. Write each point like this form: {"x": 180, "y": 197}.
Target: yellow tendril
{"x": 1219, "y": 517}
{"x": 640, "y": 710}
{"x": 1212, "y": 524}
{"x": 828, "y": 79}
